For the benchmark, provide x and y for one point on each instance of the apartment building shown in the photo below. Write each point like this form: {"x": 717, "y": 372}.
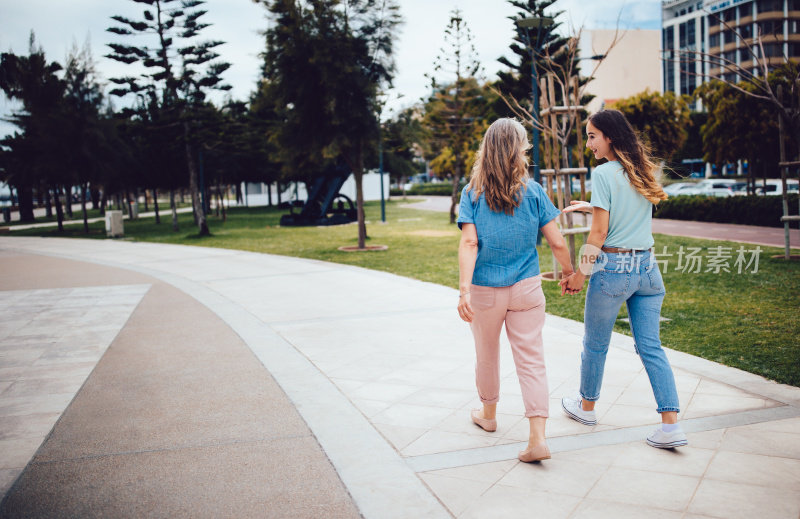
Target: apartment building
{"x": 724, "y": 29}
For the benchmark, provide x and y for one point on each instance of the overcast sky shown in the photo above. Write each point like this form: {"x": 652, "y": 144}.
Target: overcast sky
{"x": 60, "y": 24}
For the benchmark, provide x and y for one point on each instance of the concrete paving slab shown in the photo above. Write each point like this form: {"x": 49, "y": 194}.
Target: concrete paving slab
{"x": 371, "y": 369}
{"x": 177, "y": 419}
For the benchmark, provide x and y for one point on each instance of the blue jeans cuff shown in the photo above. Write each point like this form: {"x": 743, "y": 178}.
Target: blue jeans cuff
{"x": 668, "y": 409}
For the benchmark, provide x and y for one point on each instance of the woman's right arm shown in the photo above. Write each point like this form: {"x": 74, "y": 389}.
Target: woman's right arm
{"x": 558, "y": 245}
{"x": 467, "y": 256}
{"x": 594, "y": 244}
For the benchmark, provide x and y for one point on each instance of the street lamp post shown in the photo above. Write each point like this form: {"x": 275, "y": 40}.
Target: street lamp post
{"x": 539, "y": 23}
{"x": 380, "y": 169}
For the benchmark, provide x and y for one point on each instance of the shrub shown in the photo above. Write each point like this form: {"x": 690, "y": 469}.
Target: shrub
{"x": 748, "y": 210}
{"x": 431, "y": 189}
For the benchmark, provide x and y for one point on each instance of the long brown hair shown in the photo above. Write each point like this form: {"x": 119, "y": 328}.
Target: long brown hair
{"x": 631, "y": 152}
{"x": 501, "y": 166}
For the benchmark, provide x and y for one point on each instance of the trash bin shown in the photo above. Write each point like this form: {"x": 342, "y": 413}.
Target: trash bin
{"x": 114, "y": 227}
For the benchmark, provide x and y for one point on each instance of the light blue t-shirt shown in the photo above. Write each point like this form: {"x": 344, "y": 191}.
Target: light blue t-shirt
{"x": 507, "y": 243}
{"x": 630, "y": 214}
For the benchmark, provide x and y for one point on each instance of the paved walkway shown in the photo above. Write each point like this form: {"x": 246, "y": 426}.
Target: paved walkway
{"x": 767, "y": 236}
{"x": 156, "y": 380}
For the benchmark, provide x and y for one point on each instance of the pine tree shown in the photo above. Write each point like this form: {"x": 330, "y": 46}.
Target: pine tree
{"x": 454, "y": 112}
{"x": 324, "y": 65}
{"x": 30, "y": 157}
{"x": 179, "y": 72}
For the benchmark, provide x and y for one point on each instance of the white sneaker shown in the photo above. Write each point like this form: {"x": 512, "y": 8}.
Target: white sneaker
{"x": 667, "y": 440}
{"x": 572, "y": 408}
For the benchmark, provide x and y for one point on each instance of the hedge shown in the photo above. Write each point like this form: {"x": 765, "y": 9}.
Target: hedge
{"x": 431, "y": 189}
{"x": 748, "y": 210}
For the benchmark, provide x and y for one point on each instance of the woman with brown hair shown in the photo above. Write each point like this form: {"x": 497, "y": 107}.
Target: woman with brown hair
{"x": 500, "y": 215}
{"x": 619, "y": 259}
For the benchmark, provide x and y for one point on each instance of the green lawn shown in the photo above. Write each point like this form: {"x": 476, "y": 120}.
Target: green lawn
{"x": 748, "y": 320}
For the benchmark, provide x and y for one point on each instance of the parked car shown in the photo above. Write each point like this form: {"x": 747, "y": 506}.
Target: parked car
{"x": 679, "y": 188}
{"x": 720, "y": 187}
{"x": 775, "y": 187}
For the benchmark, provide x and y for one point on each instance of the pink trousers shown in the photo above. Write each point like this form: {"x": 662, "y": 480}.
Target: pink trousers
{"x": 521, "y": 306}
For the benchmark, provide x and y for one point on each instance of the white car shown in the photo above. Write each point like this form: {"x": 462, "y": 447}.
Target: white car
{"x": 721, "y": 187}
{"x": 679, "y": 188}
{"x": 775, "y": 186}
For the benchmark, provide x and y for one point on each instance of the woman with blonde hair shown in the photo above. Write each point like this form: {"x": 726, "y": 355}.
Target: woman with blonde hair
{"x": 500, "y": 215}
{"x": 619, "y": 259}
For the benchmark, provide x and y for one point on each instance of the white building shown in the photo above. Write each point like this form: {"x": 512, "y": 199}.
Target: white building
{"x": 257, "y": 194}
{"x": 631, "y": 67}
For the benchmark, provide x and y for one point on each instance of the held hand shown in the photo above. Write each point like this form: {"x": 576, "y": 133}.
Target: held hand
{"x": 465, "y": 308}
{"x": 578, "y": 205}
{"x": 562, "y": 282}
{"x": 574, "y": 284}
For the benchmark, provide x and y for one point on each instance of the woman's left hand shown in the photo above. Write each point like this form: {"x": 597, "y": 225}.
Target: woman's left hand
{"x": 580, "y": 206}
{"x": 465, "y": 308}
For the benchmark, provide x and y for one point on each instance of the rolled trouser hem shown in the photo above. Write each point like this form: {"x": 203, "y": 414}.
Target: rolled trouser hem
{"x": 534, "y": 414}
{"x": 595, "y": 399}
{"x": 489, "y": 401}
{"x": 668, "y": 409}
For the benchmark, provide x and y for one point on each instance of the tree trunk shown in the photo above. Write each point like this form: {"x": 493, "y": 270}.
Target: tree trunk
{"x": 95, "y": 193}
{"x": 129, "y": 203}
{"x": 146, "y": 204}
{"x": 59, "y": 209}
{"x": 25, "y": 203}
{"x": 68, "y": 201}
{"x": 174, "y": 209}
{"x": 457, "y": 174}
{"x": 103, "y": 203}
{"x": 362, "y": 224}
{"x": 155, "y": 205}
{"x": 269, "y": 193}
{"x": 219, "y": 197}
{"x": 357, "y": 167}
{"x": 83, "y": 209}
{"x": 47, "y": 202}
{"x": 454, "y": 195}
{"x": 199, "y": 210}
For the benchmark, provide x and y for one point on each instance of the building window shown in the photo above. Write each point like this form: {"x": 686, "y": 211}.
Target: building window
{"x": 794, "y": 49}
{"x": 713, "y": 40}
{"x": 769, "y": 5}
{"x": 668, "y": 40}
{"x": 745, "y": 10}
{"x": 728, "y": 36}
{"x": 746, "y": 30}
{"x": 728, "y": 15}
{"x": 703, "y": 35}
{"x": 794, "y": 5}
{"x": 771, "y": 27}
{"x": 773, "y": 50}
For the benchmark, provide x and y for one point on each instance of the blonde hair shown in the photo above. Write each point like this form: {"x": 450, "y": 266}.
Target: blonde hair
{"x": 500, "y": 170}
{"x": 632, "y": 153}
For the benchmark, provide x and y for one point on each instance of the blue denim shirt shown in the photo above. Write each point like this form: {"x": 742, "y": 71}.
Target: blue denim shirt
{"x": 507, "y": 243}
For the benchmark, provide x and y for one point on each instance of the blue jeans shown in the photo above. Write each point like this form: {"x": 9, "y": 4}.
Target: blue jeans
{"x": 629, "y": 278}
